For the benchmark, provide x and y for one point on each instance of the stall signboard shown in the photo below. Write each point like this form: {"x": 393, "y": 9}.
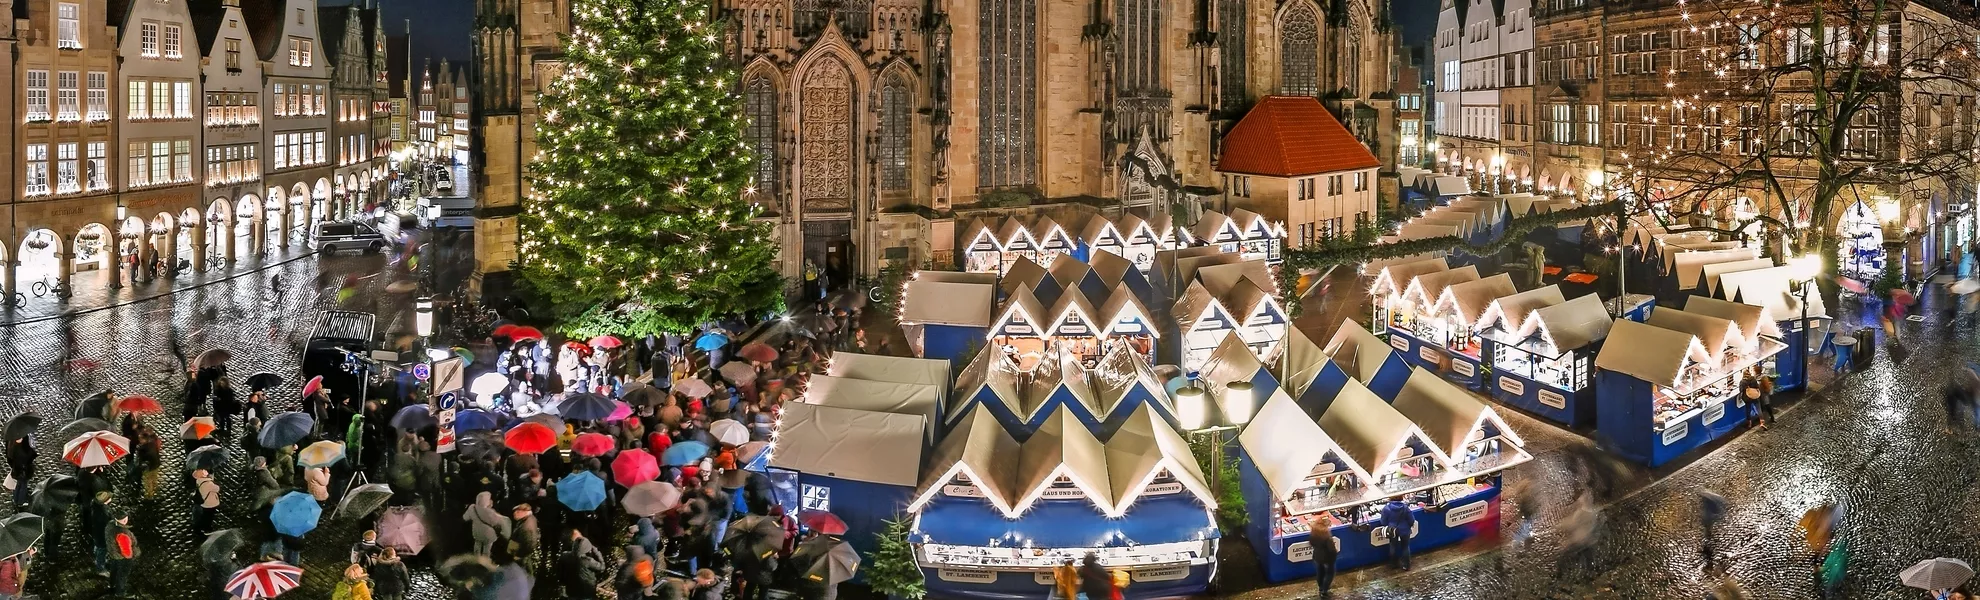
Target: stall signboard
{"x": 1430, "y": 355}
{"x": 1160, "y": 489}
{"x": 1676, "y": 432}
{"x": 966, "y": 575}
{"x": 1043, "y": 578}
{"x": 1552, "y": 398}
{"x": 1464, "y": 368}
{"x": 1715, "y": 412}
{"x": 1400, "y": 343}
{"x": 1466, "y": 514}
{"x": 963, "y": 491}
{"x": 1169, "y": 573}
{"x": 1299, "y": 552}
{"x": 1512, "y": 386}
{"x": 1379, "y": 536}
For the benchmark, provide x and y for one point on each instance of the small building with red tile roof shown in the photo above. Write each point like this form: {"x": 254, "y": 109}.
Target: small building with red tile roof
{"x": 1292, "y": 162}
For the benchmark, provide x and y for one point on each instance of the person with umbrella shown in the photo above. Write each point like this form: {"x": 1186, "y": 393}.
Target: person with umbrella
{"x": 486, "y": 524}
{"x": 226, "y": 403}
{"x": 95, "y": 521}
{"x": 209, "y": 501}
{"x": 147, "y": 450}
{"x": 388, "y": 575}
{"x": 528, "y": 537}
{"x": 20, "y": 457}
{"x": 13, "y": 574}
{"x": 366, "y": 550}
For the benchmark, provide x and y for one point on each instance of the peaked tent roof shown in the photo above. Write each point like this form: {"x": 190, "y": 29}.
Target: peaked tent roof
{"x": 1430, "y": 286}
{"x": 1690, "y": 266}
{"x": 1714, "y": 334}
{"x": 1717, "y": 271}
{"x": 1573, "y": 324}
{"x": 946, "y": 303}
{"x": 1395, "y": 277}
{"x": 1446, "y": 414}
{"x": 1370, "y": 431}
{"x": 1357, "y": 351}
{"x": 1772, "y": 288}
{"x": 1022, "y": 301}
{"x": 1124, "y": 299}
{"x": 861, "y": 445}
{"x": 1111, "y": 268}
{"x": 1288, "y": 445}
{"x": 1646, "y": 352}
{"x": 1062, "y": 446}
{"x": 1470, "y": 299}
{"x": 1195, "y": 299}
{"x": 1292, "y": 136}
{"x": 1231, "y": 362}
{"x": 979, "y": 448}
{"x": 1303, "y": 360}
{"x": 1023, "y": 272}
{"x": 1220, "y": 279}
{"x": 1514, "y": 310}
{"x": 989, "y": 369}
{"x": 1750, "y": 318}
{"x": 1141, "y": 448}
{"x": 1014, "y": 230}
{"x": 1118, "y": 373}
{"x": 1058, "y": 369}
{"x": 978, "y": 229}
{"x": 1099, "y": 227}
{"x": 1075, "y": 301}
{"x": 1068, "y": 273}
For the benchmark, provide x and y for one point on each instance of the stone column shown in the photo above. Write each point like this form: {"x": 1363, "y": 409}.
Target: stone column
{"x": 199, "y": 247}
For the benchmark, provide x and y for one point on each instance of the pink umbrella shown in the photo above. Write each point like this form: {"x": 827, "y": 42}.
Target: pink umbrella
{"x": 1852, "y": 285}
{"x": 620, "y": 411}
{"x": 314, "y": 385}
{"x": 633, "y": 468}
{"x": 592, "y": 444}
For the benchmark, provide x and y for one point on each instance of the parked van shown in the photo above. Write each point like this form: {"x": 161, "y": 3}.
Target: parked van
{"x": 340, "y": 236}
{"x": 455, "y": 212}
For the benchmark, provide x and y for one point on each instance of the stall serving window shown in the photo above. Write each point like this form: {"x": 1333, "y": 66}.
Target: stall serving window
{"x": 1673, "y": 406}
{"x": 1325, "y": 486}
{"x": 1568, "y": 371}
{"x": 1025, "y": 556}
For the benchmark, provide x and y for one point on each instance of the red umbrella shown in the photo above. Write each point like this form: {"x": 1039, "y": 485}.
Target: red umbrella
{"x": 507, "y": 330}
{"x": 314, "y": 385}
{"x": 758, "y": 352}
{"x": 1903, "y": 297}
{"x": 1852, "y": 285}
{"x": 822, "y": 522}
{"x": 634, "y": 468}
{"x": 525, "y": 333}
{"x": 139, "y": 405}
{"x": 592, "y": 444}
{"x": 530, "y": 438}
{"x": 606, "y": 341}
{"x": 96, "y": 449}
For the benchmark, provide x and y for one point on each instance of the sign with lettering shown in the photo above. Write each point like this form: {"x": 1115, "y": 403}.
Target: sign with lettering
{"x": 1324, "y": 468}
{"x": 963, "y": 491}
{"x": 1465, "y": 514}
{"x": 1073, "y": 330}
{"x": 1163, "y": 488}
{"x": 1715, "y": 412}
{"x": 1016, "y": 329}
{"x": 1550, "y": 398}
{"x": 1162, "y": 573}
{"x": 1463, "y": 368}
{"x": 1399, "y": 342}
{"x": 1512, "y": 386}
{"x": 1128, "y": 327}
{"x": 1062, "y": 493}
{"x": 1042, "y": 577}
{"x": 1380, "y": 535}
{"x": 1405, "y": 452}
{"x": 966, "y": 575}
{"x": 1431, "y": 355}
{"x": 1676, "y": 432}
{"x": 1299, "y": 552}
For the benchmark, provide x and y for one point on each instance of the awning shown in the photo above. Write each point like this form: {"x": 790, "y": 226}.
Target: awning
{"x": 1394, "y": 278}
{"x": 1511, "y": 312}
{"x": 1772, "y": 288}
{"x": 1063, "y": 525}
{"x": 882, "y": 396}
{"x": 1371, "y": 431}
{"x": 895, "y": 369}
{"x": 1470, "y": 299}
{"x": 1285, "y": 445}
{"x": 1714, "y": 334}
{"x": 1446, "y": 414}
{"x": 1751, "y": 319}
{"x": 847, "y": 443}
{"x": 1426, "y": 288}
{"x": 942, "y": 303}
{"x": 1715, "y": 271}
{"x": 1143, "y": 448}
{"x": 1574, "y": 324}
{"x": 1062, "y": 447}
{"x": 1021, "y": 307}
{"x": 1646, "y": 352}
{"x": 1450, "y": 186}
{"x": 979, "y": 449}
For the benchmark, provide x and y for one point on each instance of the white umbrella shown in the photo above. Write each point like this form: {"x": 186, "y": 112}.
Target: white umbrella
{"x": 1965, "y": 286}
{"x": 729, "y": 432}
{"x": 96, "y": 449}
{"x": 1937, "y": 574}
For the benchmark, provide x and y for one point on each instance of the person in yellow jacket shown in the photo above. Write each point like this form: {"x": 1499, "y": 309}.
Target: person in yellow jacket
{"x": 356, "y": 585}
{"x": 1065, "y": 581}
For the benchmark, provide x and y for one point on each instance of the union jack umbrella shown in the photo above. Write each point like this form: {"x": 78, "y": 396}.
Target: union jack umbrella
{"x": 96, "y": 449}
{"x": 264, "y": 580}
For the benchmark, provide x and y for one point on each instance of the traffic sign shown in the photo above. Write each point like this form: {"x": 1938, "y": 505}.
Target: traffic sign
{"x": 447, "y": 400}
{"x": 422, "y": 371}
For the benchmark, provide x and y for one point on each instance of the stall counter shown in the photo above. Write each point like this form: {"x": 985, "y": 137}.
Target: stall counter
{"x": 1290, "y": 556}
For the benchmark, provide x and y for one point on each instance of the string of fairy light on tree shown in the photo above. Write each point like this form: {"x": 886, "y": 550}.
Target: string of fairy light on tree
{"x": 639, "y": 218}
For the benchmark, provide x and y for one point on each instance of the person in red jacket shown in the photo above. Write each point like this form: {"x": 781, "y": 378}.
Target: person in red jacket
{"x": 122, "y": 552}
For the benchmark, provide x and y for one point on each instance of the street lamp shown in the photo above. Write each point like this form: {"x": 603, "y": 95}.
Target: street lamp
{"x": 1193, "y": 413}
{"x": 423, "y": 316}
{"x": 1238, "y": 397}
{"x": 1804, "y": 269}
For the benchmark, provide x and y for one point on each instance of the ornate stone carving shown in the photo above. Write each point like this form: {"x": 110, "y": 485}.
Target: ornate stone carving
{"x": 825, "y": 139}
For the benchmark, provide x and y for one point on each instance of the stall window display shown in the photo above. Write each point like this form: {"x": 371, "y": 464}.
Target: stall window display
{"x": 1862, "y": 252}
{"x": 1030, "y": 557}
{"x": 1673, "y": 406}
{"x": 1568, "y": 371}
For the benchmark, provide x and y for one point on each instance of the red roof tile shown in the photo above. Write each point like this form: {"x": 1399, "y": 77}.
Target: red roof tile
{"x": 1292, "y": 136}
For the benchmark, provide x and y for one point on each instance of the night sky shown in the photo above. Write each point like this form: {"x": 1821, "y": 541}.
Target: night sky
{"x": 441, "y": 27}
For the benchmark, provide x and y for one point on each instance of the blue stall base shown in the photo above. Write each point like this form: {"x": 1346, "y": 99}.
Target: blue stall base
{"x": 1791, "y": 365}
{"x": 1573, "y": 409}
{"x": 1466, "y": 371}
{"x": 1146, "y": 583}
{"x": 1462, "y": 519}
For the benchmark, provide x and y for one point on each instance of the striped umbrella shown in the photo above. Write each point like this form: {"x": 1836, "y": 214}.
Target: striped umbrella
{"x": 96, "y": 449}
{"x": 264, "y": 580}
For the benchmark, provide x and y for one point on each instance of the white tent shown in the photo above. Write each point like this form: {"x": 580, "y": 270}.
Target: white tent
{"x": 928, "y": 302}
{"x": 1023, "y": 273}
{"x": 1426, "y": 288}
{"x": 1220, "y": 279}
{"x": 1119, "y": 373}
{"x": 1772, "y": 288}
{"x": 1285, "y": 445}
{"x": 881, "y": 396}
{"x": 894, "y": 369}
{"x": 1062, "y": 447}
{"x": 1510, "y": 313}
{"x": 1469, "y": 300}
{"x": 1571, "y": 325}
{"x": 990, "y": 375}
{"x": 1715, "y": 271}
{"x": 1233, "y": 361}
{"x": 1073, "y": 315}
{"x": 1395, "y": 277}
{"x": 1751, "y": 319}
{"x": 1143, "y": 449}
{"x": 1302, "y": 361}
{"x": 1374, "y": 268}
{"x": 1690, "y": 266}
{"x": 847, "y": 443}
{"x": 1449, "y": 186}
{"x": 977, "y": 449}
{"x": 1371, "y": 431}
{"x": 1445, "y": 413}
{"x": 1021, "y": 314}
{"x": 1059, "y": 370}
{"x": 1714, "y": 334}
{"x": 1646, "y": 352}
{"x": 1358, "y": 352}
{"x": 1124, "y": 314}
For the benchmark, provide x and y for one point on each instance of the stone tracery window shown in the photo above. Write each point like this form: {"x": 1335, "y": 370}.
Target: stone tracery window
{"x": 1141, "y": 45}
{"x": 760, "y": 102}
{"x": 1299, "y": 48}
{"x": 1232, "y": 36}
{"x": 1007, "y": 143}
{"x": 895, "y": 103}
{"x": 826, "y": 138}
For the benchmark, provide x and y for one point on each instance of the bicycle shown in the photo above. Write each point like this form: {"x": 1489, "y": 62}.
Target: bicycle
{"x": 47, "y": 285}
{"x": 17, "y": 300}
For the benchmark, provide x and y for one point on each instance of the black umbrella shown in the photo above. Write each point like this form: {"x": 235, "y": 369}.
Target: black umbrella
{"x": 285, "y": 429}
{"x": 212, "y": 358}
{"x": 467, "y": 570}
{"x": 208, "y": 457}
{"x": 479, "y": 445}
{"x": 220, "y": 546}
{"x": 21, "y": 426}
{"x": 754, "y": 535}
{"x": 645, "y": 396}
{"x": 58, "y": 489}
{"x": 586, "y": 407}
{"x": 97, "y": 406}
{"x": 362, "y": 500}
{"x": 18, "y": 533}
{"x": 826, "y": 559}
{"x": 414, "y": 417}
{"x": 82, "y": 426}
{"x": 263, "y": 380}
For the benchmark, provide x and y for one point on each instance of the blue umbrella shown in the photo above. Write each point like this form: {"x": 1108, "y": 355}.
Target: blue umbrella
{"x": 414, "y": 417}
{"x": 295, "y": 514}
{"x": 285, "y": 429}
{"x": 586, "y": 407}
{"x": 581, "y": 491}
{"x": 684, "y": 453}
{"x": 475, "y": 419}
{"x": 710, "y": 341}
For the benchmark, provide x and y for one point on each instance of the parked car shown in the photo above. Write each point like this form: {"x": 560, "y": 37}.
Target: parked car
{"x": 335, "y": 237}
{"x": 445, "y": 212}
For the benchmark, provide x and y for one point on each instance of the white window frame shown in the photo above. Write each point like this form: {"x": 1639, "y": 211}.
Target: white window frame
{"x": 37, "y": 96}
{"x": 99, "y": 96}
{"x": 37, "y": 170}
{"x": 148, "y": 39}
{"x": 68, "y": 26}
{"x": 172, "y": 41}
{"x": 68, "y": 96}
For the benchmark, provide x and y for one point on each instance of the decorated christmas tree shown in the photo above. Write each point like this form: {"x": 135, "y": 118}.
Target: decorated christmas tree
{"x": 641, "y": 216}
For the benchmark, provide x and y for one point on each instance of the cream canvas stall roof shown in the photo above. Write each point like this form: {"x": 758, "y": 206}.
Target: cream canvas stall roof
{"x": 1024, "y": 272}
{"x": 980, "y": 449}
{"x": 1407, "y": 176}
{"x": 1487, "y": 211}
{"x": 1426, "y": 288}
{"x": 1422, "y": 231}
{"x": 980, "y": 232}
{"x": 1358, "y": 351}
{"x": 1068, "y": 273}
{"x": 880, "y": 396}
{"x": 1458, "y": 222}
{"x": 1220, "y": 279}
{"x": 1646, "y": 352}
{"x": 1374, "y": 268}
{"x": 1073, "y": 302}
{"x": 1751, "y": 319}
{"x": 1519, "y": 205}
{"x": 1285, "y": 445}
{"x": 987, "y": 279}
{"x": 1119, "y": 373}
{"x": 1672, "y": 250}
{"x": 1111, "y": 268}
{"x": 1059, "y": 369}
{"x": 1213, "y": 225}
{"x": 945, "y": 303}
{"x": 989, "y": 370}
{"x": 1063, "y": 447}
{"x": 1245, "y": 299}
{"x": 1016, "y": 236}
{"x": 1446, "y": 414}
{"x": 1690, "y": 266}
{"x": 1714, "y": 334}
{"x": 1099, "y": 228}
{"x": 1247, "y": 222}
{"x": 1047, "y": 229}
{"x": 1449, "y": 186}
{"x": 1396, "y": 277}
{"x": 1302, "y": 361}
{"x": 1469, "y": 300}
{"x": 848, "y": 443}
{"x": 1715, "y": 271}
{"x": 1123, "y": 305}
{"x": 895, "y": 369}
{"x": 1570, "y": 325}
{"x": 1773, "y": 289}
{"x": 1640, "y": 234}
{"x": 1371, "y": 432}
{"x": 1660, "y": 243}
{"x": 1130, "y": 226}
{"x": 1195, "y": 302}
{"x": 1144, "y": 448}
{"x": 1511, "y": 312}
{"x": 1188, "y": 266}
{"x": 1025, "y": 305}
{"x": 1231, "y": 362}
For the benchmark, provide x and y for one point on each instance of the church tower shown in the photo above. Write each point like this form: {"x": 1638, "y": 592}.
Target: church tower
{"x": 498, "y": 134}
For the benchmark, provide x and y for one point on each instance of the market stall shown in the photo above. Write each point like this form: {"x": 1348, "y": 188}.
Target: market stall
{"x": 1233, "y": 362}
{"x": 1143, "y": 241}
{"x": 1102, "y": 235}
{"x": 921, "y": 399}
{"x": 1126, "y": 322}
{"x": 982, "y": 252}
{"x": 1714, "y": 272}
{"x": 944, "y": 319}
{"x": 1028, "y": 274}
{"x": 859, "y": 465}
{"x": 1217, "y": 229}
{"x": 1124, "y": 383}
{"x": 1369, "y": 360}
{"x": 1478, "y": 439}
{"x": 994, "y": 516}
{"x": 1019, "y": 329}
{"x": 1671, "y": 385}
{"x": 1386, "y": 292}
{"x": 1017, "y": 241}
{"x": 1288, "y": 470}
{"x": 1689, "y": 267}
{"x": 1201, "y": 322}
{"x": 1074, "y": 326}
{"x": 1112, "y": 274}
{"x": 1544, "y": 365}
{"x": 1780, "y": 291}
{"x": 1260, "y": 239}
{"x": 1308, "y": 374}
{"x": 1460, "y": 307}
{"x": 1418, "y": 329}
{"x": 1445, "y": 188}
{"x": 1053, "y": 241}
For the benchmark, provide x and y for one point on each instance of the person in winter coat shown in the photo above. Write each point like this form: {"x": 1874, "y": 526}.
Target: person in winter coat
{"x": 208, "y": 504}
{"x": 1402, "y": 525}
{"x": 707, "y": 586}
{"x": 147, "y": 452}
{"x": 528, "y": 537}
{"x": 580, "y": 568}
{"x": 95, "y": 521}
{"x": 388, "y": 575}
{"x": 1094, "y": 580}
{"x": 354, "y": 444}
{"x": 283, "y": 465}
{"x": 1326, "y": 550}
{"x": 225, "y": 404}
{"x": 317, "y": 480}
{"x": 487, "y": 524}
{"x": 366, "y": 550}
{"x": 13, "y": 574}
{"x": 198, "y": 390}
{"x": 356, "y": 585}
{"x": 1065, "y": 581}
{"x": 646, "y": 536}
{"x": 122, "y": 552}
{"x": 635, "y": 580}
{"x": 20, "y": 468}
{"x": 267, "y": 488}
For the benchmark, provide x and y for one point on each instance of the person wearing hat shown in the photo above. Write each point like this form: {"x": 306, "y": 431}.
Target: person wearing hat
{"x": 528, "y": 537}
{"x": 366, "y": 550}
{"x": 121, "y": 551}
{"x": 96, "y": 520}
{"x": 356, "y": 585}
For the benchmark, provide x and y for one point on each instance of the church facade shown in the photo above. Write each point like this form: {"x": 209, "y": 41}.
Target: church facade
{"x": 880, "y": 125}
